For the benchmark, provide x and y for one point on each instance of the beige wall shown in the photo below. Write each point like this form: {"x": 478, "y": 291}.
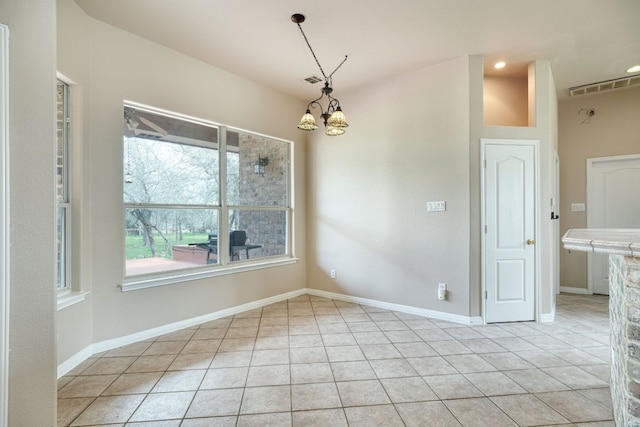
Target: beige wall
{"x": 32, "y": 364}
{"x": 109, "y": 66}
{"x": 614, "y": 130}
{"x": 407, "y": 144}
{"x": 506, "y": 101}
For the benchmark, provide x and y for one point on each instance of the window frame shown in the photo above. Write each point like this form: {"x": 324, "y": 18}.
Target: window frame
{"x": 64, "y": 247}
{"x": 224, "y": 266}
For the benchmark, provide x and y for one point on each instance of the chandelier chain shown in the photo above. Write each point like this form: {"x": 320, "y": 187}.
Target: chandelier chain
{"x": 312, "y": 52}
{"x": 326, "y": 78}
{"x": 339, "y": 65}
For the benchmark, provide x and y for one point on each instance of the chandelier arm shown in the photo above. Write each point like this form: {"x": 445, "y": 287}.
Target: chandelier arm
{"x": 333, "y": 104}
{"x": 315, "y": 104}
{"x": 313, "y": 53}
{"x": 316, "y": 101}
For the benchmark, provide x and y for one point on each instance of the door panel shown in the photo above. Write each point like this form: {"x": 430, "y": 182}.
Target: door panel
{"x": 613, "y": 202}
{"x": 507, "y": 288}
{"x": 509, "y": 243}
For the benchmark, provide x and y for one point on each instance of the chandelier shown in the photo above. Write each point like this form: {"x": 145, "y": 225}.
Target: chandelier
{"x": 332, "y": 115}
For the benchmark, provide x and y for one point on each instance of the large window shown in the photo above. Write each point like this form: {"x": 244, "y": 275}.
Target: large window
{"x": 62, "y": 188}
{"x": 201, "y": 196}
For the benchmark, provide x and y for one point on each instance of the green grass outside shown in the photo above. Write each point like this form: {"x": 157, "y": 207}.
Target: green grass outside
{"x": 134, "y": 247}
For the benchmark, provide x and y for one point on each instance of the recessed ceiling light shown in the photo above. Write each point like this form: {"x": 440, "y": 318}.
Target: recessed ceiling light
{"x": 634, "y": 69}
{"x": 499, "y": 65}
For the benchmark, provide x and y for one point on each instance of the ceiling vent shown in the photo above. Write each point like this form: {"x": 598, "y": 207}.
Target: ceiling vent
{"x": 620, "y": 83}
{"x": 313, "y": 79}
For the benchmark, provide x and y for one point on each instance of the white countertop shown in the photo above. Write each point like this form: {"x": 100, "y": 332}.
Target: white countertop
{"x": 615, "y": 241}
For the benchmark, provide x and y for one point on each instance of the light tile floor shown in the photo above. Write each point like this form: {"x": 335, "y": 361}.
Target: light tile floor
{"x": 312, "y": 361}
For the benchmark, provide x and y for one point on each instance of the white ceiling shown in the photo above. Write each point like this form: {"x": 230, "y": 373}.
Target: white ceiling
{"x": 586, "y": 41}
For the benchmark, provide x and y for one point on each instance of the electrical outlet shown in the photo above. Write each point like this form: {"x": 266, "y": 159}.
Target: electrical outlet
{"x": 333, "y": 274}
{"x": 442, "y": 291}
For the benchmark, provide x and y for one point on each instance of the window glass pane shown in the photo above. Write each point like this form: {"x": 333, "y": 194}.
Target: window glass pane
{"x": 61, "y": 141}
{"x": 168, "y": 160}
{"x": 61, "y": 236}
{"x": 167, "y": 173}
{"x": 169, "y": 239}
{"x": 257, "y": 234}
{"x": 260, "y": 177}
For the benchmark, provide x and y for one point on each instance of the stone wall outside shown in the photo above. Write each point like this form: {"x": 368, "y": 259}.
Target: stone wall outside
{"x": 624, "y": 309}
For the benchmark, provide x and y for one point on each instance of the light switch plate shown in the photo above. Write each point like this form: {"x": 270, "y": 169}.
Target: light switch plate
{"x": 439, "y": 206}
{"x": 577, "y": 207}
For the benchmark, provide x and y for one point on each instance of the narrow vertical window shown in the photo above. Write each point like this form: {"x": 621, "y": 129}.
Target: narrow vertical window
{"x": 62, "y": 187}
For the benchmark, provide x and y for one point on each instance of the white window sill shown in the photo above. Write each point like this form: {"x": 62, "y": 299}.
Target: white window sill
{"x": 150, "y": 281}
{"x": 70, "y": 298}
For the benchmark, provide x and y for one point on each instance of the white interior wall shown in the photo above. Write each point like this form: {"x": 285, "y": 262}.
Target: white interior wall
{"x": 367, "y": 190}
{"x": 32, "y": 333}
{"x": 72, "y": 53}
{"x": 111, "y": 67}
{"x": 407, "y": 144}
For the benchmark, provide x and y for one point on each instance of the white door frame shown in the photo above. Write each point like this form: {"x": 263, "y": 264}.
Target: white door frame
{"x": 590, "y": 164}
{"x": 536, "y": 221}
{"x": 4, "y": 225}
{"x": 555, "y": 227}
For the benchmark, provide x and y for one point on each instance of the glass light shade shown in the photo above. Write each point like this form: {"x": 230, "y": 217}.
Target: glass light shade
{"x": 337, "y": 119}
{"x": 334, "y": 131}
{"x": 308, "y": 122}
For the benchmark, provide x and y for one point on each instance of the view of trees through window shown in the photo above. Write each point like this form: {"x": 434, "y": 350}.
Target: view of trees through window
{"x": 174, "y": 201}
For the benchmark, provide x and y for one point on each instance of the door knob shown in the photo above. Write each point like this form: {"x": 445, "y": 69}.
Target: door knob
{"x": 531, "y": 242}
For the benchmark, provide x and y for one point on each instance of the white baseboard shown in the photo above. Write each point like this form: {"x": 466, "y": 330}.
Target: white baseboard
{"x": 76, "y": 359}
{"x": 548, "y": 317}
{"x": 66, "y": 366}
{"x": 440, "y": 315}
{"x": 574, "y": 290}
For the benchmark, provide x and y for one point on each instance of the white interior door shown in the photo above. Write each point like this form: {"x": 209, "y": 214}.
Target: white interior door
{"x": 509, "y": 196}
{"x": 613, "y": 201}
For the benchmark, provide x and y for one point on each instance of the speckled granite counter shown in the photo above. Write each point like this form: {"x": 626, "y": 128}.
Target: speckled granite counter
{"x": 623, "y": 247}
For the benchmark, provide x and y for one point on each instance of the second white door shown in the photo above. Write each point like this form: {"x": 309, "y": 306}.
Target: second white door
{"x": 613, "y": 202}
